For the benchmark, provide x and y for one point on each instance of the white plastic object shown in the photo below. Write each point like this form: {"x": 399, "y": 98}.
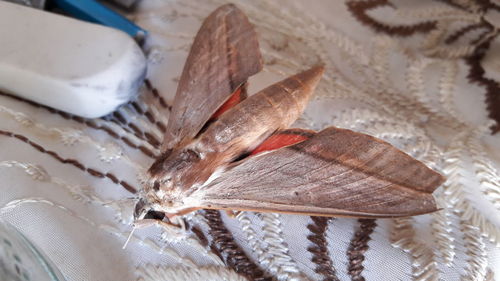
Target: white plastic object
{"x": 74, "y": 66}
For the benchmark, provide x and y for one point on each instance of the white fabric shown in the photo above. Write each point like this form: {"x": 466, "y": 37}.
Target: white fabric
{"x": 373, "y": 84}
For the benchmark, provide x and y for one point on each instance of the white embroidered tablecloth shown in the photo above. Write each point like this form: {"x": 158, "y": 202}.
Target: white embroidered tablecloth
{"x": 419, "y": 75}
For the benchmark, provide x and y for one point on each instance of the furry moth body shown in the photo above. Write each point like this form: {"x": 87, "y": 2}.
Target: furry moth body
{"x": 224, "y": 151}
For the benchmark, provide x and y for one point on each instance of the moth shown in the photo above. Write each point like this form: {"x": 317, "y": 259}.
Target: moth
{"x": 225, "y": 150}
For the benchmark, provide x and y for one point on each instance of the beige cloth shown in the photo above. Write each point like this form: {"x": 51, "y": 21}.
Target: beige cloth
{"x": 396, "y": 88}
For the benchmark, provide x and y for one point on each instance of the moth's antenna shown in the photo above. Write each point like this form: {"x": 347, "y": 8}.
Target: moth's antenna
{"x": 129, "y": 237}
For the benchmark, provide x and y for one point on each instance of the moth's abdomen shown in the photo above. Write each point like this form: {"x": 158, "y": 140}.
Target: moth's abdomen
{"x": 290, "y": 96}
{"x": 247, "y": 124}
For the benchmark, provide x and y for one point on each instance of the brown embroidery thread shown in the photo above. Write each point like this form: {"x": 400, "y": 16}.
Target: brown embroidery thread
{"x": 476, "y": 72}
{"x": 477, "y": 75}
{"x": 157, "y": 95}
{"x": 358, "y": 247}
{"x": 200, "y": 235}
{"x": 132, "y": 128}
{"x": 146, "y": 151}
{"x": 223, "y": 242}
{"x": 359, "y": 10}
{"x": 146, "y": 113}
{"x": 319, "y": 250}
{"x": 462, "y": 31}
{"x": 73, "y": 162}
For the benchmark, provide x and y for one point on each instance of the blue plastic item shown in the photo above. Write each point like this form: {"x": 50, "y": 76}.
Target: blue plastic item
{"x": 91, "y": 10}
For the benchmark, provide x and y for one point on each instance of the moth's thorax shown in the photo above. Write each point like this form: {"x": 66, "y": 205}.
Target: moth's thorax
{"x": 181, "y": 170}
{"x": 171, "y": 166}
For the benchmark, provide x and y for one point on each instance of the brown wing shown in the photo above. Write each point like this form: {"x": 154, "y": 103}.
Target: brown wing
{"x": 337, "y": 172}
{"x": 224, "y": 54}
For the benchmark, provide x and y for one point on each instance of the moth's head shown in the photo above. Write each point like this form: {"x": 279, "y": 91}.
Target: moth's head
{"x": 141, "y": 209}
{"x": 154, "y": 204}
{"x": 162, "y": 192}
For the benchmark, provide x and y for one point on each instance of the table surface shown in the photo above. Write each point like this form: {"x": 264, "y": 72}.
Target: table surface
{"x": 391, "y": 71}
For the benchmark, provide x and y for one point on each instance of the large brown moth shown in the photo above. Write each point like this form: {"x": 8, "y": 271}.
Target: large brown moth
{"x": 222, "y": 150}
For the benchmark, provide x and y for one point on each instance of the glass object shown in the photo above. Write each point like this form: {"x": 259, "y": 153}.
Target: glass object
{"x": 20, "y": 260}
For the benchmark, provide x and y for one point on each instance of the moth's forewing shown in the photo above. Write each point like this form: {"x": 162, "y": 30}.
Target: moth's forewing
{"x": 224, "y": 54}
{"x": 337, "y": 172}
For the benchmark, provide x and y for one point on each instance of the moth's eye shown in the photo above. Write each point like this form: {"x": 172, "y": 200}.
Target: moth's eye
{"x": 156, "y": 186}
{"x": 139, "y": 207}
{"x": 154, "y": 215}
{"x": 190, "y": 155}
{"x": 164, "y": 181}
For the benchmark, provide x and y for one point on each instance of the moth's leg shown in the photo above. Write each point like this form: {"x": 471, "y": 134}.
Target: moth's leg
{"x": 174, "y": 229}
{"x": 175, "y": 222}
{"x": 232, "y": 214}
{"x": 178, "y": 221}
